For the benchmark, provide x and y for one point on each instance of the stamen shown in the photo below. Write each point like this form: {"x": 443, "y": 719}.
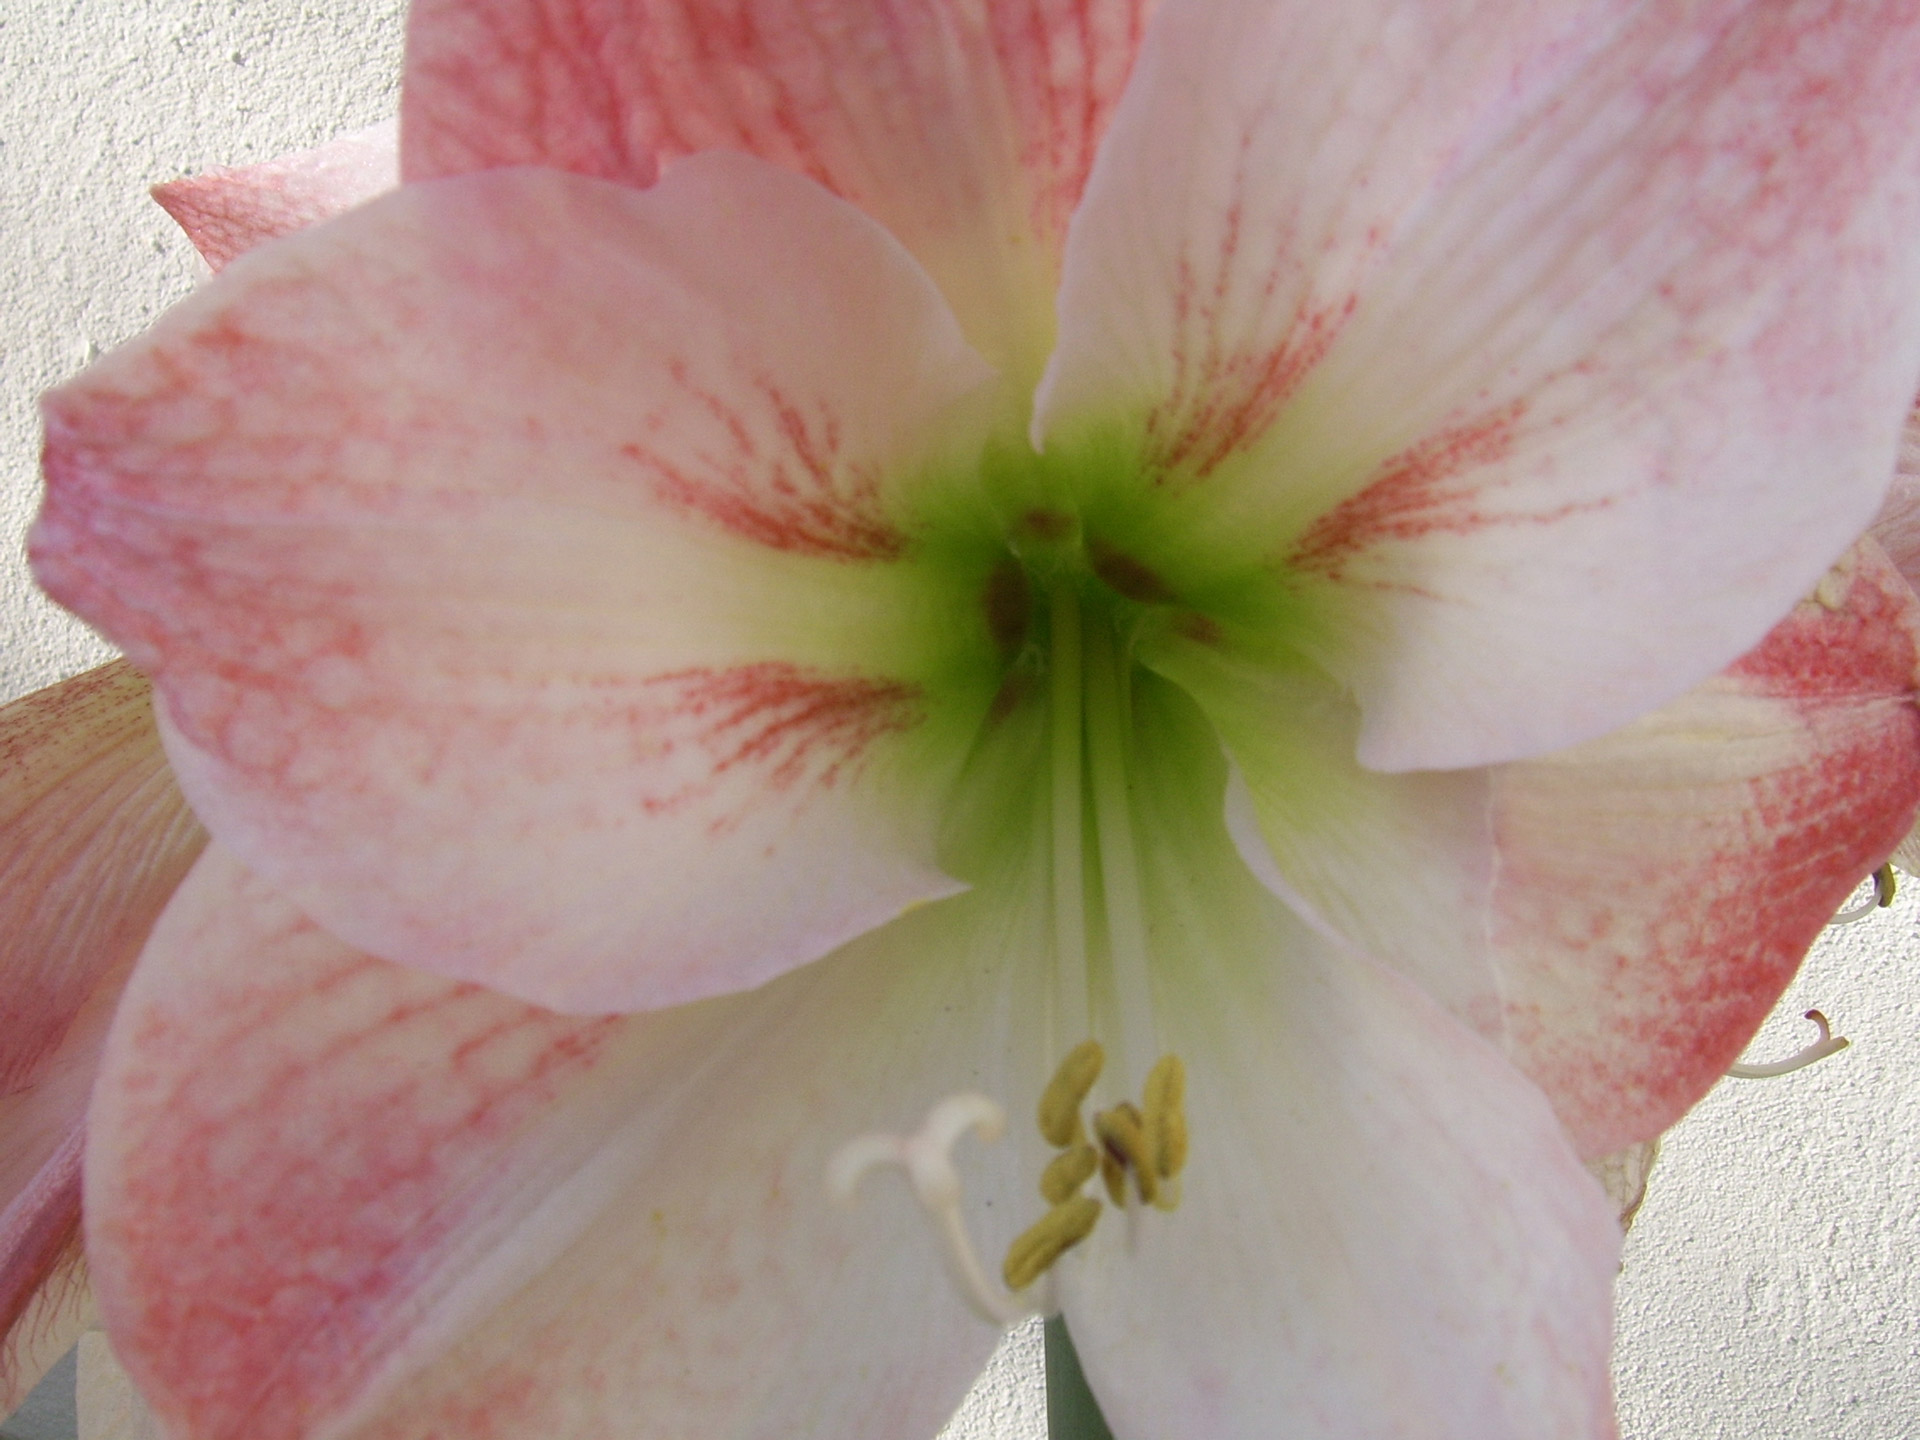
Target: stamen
{"x": 1124, "y": 1134}
{"x": 1884, "y": 887}
{"x": 1067, "y": 1172}
{"x": 927, "y": 1159}
{"x": 1827, "y": 1044}
{"x": 1166, "y": 1122}
{"x": 1057, "y": 1232}
{"x": 1067, "y": 1091}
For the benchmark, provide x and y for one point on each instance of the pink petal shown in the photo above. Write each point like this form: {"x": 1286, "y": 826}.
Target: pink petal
{"x": 43, "y": 1283}
{"x": 98, "y": 837}
{"x": 331, "y": 1195}
{"x": 1622, "y": 915}
{"x": 1659, "y": 887}
{"x": 967, "y": 129}
{"x": 523, "y": 564}
{"x": 1553, "y": 349}
{"x": 1382, "y": 1229}
{"x": 229, "y": 211}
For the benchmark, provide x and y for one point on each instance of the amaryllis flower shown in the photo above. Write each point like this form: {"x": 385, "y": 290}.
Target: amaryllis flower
{"x": 821, "y": 568}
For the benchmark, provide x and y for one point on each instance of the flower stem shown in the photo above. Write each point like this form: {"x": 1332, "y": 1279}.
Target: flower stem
{"x": 1072, "y": 1412}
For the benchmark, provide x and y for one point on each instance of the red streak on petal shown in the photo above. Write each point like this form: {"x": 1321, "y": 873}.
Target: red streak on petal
{"x": 1414, "y": 494}
{"x": 805, "y": 497}
{"x": 1682, "y": 951}
{"x": 795, "y": 728}
{"x": 1223, "y": 397}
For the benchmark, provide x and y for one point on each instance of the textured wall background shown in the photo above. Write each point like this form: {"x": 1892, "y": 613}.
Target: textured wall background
{"x": 1770, "y": 1287}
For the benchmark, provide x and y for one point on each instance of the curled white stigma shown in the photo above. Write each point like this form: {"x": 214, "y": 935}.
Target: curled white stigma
{"x": 926, "y": 1158}
{"x": 1883, "y": 891}
{"x": 1828, "y": 1044}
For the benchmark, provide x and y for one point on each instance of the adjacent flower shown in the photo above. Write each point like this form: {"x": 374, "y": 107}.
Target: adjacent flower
{"x": 911, "y": 592}
{"x": 98, "y": 838}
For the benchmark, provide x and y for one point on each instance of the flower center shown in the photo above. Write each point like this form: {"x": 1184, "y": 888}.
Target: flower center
{"x": 1064, "y": 610}
{"x": 1147, "y": 1142}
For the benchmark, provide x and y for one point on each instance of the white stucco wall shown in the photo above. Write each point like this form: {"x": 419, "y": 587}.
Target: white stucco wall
{"x": 1771, "y": 1287}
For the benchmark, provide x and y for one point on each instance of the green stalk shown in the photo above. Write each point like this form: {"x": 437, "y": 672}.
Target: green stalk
{"x": 1072, "y": 1412}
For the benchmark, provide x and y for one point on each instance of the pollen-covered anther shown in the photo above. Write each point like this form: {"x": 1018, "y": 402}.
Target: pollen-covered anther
{"x": 1122, "y": 1131}
{"x": 1067, "y": 1172}
{"x": 1055, "y": 1233}
{"x": 926, "y": 1157}
{"x": 1827, "y": 1044}
{"x": 1067, "y": 1091}
{"x": 1164, "y": 1116}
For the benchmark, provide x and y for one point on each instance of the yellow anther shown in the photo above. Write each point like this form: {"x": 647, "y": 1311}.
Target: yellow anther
{"x": 1884, "y": 886}
{"x": 1114, "y": 1174}
{"x": 1060, "y": 1102}
{"x": 1067, "y": 1172}
{"x": 1056, "y": 1232}
{"x": 1124, "y": 1135}
{"x": 1166, "y": 1116}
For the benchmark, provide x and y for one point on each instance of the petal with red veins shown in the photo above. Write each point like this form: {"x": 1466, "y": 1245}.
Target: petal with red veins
{"x": 1559, "y": 347}
{"x": 227, "y": 212}
{"x": 331, "y": 1195}
{"x": 1381, "y": 1230}
{"x": 967, "y": 129}
{"x": 1658, "y": 887}
{"x": 1619, "y": 916}
{"x": 526, "y": 567}
{"x": 98, "y": 837}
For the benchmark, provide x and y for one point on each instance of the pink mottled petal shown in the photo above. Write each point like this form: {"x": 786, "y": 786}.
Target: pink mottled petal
{"x": 966, "y": 128}
{"x": 1382, "y": 1230}
{"x": 1620, "y": 916}
{"x": 524, "y": 565}
{"x": 227, "y": 212}
{"x": 1658, "y": 887}
{"x": 328, "y": 1195}
{"x": 1555, "y": 348}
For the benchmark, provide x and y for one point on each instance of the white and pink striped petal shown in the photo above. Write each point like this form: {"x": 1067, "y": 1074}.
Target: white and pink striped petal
{"x": 1659, "y": 886}
{"x": 1621, "y": 915}
{"x": 1495, "y": 325}
{"x": 967, "y": 128}
{"x": 522, "y": 593}
{"x": 332, "y": 1195}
